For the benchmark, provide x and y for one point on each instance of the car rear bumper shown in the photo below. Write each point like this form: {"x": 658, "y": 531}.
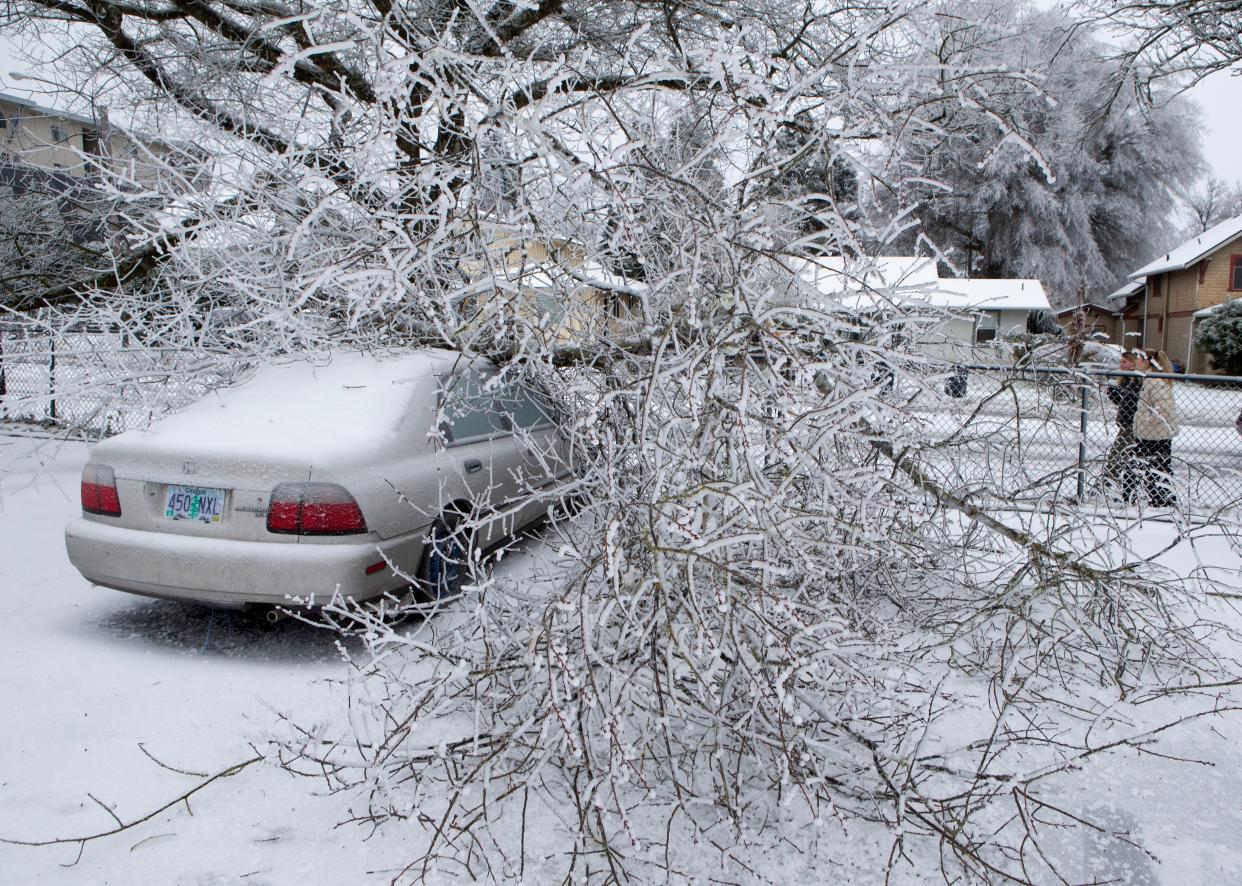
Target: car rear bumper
{"x": 234, "y": 573}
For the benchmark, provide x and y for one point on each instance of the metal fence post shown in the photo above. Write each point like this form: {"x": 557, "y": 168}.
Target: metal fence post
{"x": 1082, "y": 440}
{"x": 51, "y": 366}
{"x": 4, "y": 388}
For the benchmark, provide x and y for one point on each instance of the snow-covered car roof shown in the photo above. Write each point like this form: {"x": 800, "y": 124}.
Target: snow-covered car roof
{"x": 326, "y": 409}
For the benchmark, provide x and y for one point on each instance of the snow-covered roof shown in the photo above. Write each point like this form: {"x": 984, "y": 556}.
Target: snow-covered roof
{"x": 992, "y": 294}
{"x": 1194, "y": 249}
{"x": 1128, "y": 290}
{"x": 1103, "y": 309}
{"x": 9, "y": 98}
{"x": 912, "y": 281}
{"x": 137, "y": 135}
{"x": 1207, "y": 312}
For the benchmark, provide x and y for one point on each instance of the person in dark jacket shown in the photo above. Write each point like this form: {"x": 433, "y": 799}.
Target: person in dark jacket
{"x": 1124, "y": 394}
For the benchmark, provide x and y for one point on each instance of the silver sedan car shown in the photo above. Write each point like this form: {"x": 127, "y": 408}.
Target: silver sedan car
{"x": 350, "y": 475}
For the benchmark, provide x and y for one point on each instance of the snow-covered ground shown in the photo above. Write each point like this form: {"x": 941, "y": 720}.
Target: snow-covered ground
{"x": 91, "y": 678}
{"x": 93, "y": 681}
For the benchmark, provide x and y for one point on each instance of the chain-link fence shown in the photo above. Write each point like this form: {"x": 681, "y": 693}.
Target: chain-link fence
{"x": 97, "y": 383}
{"x": 1018, "y": 435}
{"x": 1035, "y": 434}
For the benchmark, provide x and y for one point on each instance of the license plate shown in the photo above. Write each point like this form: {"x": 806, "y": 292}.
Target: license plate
{"x": 196, "y": 503}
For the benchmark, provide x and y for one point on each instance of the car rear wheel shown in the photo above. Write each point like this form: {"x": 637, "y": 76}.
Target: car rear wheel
{"x": 446, "y": 560}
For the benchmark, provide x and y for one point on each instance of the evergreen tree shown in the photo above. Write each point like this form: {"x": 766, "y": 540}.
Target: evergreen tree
{"x": 1220, "y": 336}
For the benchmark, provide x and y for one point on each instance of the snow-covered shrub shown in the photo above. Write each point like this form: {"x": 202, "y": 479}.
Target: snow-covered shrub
{"x": 1102, "y": 353}
{"x": 1220, "y": 336}
{"x": 1035, "y": 349}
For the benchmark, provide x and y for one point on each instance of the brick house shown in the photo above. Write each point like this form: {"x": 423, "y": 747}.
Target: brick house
{"x": 1202, "y": 272}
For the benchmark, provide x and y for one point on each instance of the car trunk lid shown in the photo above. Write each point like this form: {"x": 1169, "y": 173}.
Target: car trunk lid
{"x": 225, "y": 453}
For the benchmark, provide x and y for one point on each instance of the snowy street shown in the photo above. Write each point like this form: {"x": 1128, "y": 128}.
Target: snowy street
{"x": 95, "y": 677}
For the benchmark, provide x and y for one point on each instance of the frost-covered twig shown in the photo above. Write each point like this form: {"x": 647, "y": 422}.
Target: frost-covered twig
{"x": 123, "y": 826}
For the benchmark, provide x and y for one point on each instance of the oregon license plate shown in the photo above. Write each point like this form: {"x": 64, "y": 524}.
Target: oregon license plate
{"x": 197, "y": 503}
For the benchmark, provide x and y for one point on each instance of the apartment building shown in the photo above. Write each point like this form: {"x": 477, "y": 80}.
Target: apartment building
{"x": 68, "y": 147}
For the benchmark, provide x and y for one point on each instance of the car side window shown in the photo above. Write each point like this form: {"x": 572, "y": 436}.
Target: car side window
{"x": 526, "y": 408}
{"x": 470, "y": 411}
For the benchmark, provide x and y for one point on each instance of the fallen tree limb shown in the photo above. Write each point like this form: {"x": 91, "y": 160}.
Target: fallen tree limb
{"x": 1063, "y": 559}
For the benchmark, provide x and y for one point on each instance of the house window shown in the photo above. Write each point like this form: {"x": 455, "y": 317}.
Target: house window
{"x": 1235, "y": 273}
{"x": 4, "y": 121}
{"x": 58, "y": 134}
{"x": 1155, "y": 287}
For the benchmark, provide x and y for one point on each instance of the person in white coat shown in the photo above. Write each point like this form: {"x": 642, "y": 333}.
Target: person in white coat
{"x": 1155, "y": 426}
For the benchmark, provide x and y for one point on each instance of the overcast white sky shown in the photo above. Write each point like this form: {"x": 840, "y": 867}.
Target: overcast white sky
{"x": 1220, "y": 97}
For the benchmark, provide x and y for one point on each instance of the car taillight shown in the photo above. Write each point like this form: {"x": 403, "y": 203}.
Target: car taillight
{"x": 99, "y": 491}
{"x": 314, "y": 509}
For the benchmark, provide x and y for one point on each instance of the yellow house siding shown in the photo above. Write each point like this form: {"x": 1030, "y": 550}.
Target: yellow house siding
{"x": 28, "y": 137}
{"x": 1091, "y": 321}
{"x": 43, "y": 139}
{"x": 1215, "y": 288}
{"x": 1200, "y": 363}
{"x": 1169, "y": 321}
{"x": 1177, "y": 338}
{"x": 1183, "y": 290}
{"x": 1152, "y": 310}
{"x": 1214, "y": 291}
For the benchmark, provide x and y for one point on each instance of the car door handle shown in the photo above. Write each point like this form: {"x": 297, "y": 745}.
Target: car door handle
{"x": 472, "y": 465}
